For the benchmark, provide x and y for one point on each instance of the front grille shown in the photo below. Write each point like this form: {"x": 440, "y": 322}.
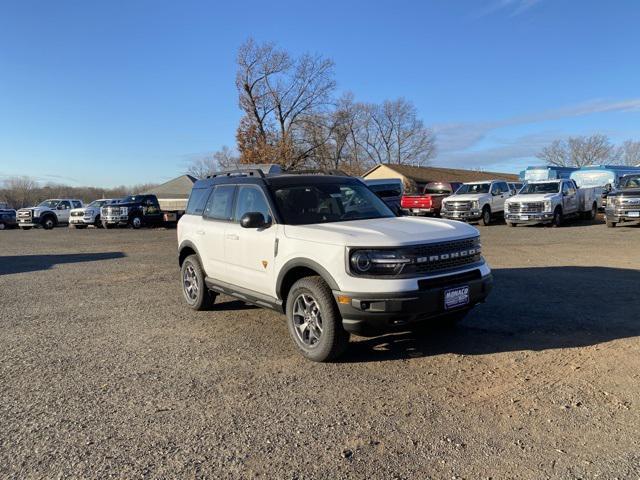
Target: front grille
{"x": 443, "y": 256}
{"x": 526, "y": 207}
{"x": 77, "y": 214}
{"x": 113, "y": 211}
{"x": 25, "y": 214}
{"x": 458, "y": 206}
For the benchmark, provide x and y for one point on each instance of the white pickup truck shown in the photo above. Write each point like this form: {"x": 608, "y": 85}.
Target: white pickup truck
{"x": 89, "y": 215}
{"x": 47, "y": 214}
{"x": 552, "y": 201}
{"x": 476, "y": 201}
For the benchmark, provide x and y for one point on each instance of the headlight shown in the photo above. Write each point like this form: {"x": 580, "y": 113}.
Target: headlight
{"x": 475, "y": 205}
{"x": 36, "y": 213}
{"x": 547, "y": 205}
{"x": 377, "y": 262}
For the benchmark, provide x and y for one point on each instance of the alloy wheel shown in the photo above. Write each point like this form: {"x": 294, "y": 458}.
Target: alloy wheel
{"x": 190, "y": 283}
{"x": 307, "y": 320}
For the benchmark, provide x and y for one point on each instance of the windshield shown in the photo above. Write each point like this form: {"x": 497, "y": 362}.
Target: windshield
{"x": 99, "y": 203}
{"x": 49, "y": 203}
{"x": 630, "y": 182}
{"x": 437, "y": 188}
{"x": 473, "y": 188}
{"x": 530, "y": 188}
{"x": 593, "y": 179}
{"x": 325, "y": 203}
{"x": 385, "y": 190}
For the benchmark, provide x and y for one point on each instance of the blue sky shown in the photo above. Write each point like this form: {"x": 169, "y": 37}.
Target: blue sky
{"x": 123, "y": 92}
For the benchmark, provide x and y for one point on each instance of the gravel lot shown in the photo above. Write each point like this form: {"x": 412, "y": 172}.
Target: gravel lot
{"x": 104, "y": 372}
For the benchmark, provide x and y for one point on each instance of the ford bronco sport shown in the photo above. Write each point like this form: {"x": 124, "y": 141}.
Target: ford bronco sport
{"x": 327, "y": 252}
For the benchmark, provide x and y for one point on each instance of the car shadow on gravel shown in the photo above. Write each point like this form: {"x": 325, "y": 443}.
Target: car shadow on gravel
{"x": 34, "y": 263}
{"x": 529, "y": 309}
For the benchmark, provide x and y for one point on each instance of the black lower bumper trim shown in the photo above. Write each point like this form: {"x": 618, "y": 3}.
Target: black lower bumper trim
{"x": 373, "y": 314}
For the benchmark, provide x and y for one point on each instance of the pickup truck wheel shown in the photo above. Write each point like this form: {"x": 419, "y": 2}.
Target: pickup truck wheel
{"x": 594, "y": 211}
{"x": 511, "y": 224}
{"x": 2, "y": 226}
{"x": 314, "y": 320}
{"x": 136, "y": 222}
{"x": 486, "y": 215}
{"x": 557, "y": 217}
{"x": 106, "y": 226}
{"x": 48, "y": 222}
{"x": 611, "y": 224}
{"x": 96, "y": 222}
{"x": 195, "y": 291}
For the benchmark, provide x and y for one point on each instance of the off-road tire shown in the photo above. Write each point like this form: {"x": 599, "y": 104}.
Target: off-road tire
{"x": 204, "y": 298}
{"x": 486, "y": 215}
{"x": 334, "y": 338}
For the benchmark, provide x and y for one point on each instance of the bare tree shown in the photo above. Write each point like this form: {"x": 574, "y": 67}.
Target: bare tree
{"x": 205, "y": 165}
{"x": 580, "y": 151}
{"x": 18, "y": 191}
{"x": 629, "y": 153}
{"x": 393, "y": 133}
{"x": 278, "y": 95}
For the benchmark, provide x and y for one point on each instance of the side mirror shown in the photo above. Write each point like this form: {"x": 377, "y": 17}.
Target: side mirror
{"x": 59, "y": 207}
{"x": 608, "y": 187}
{"x": 253, "y": 220}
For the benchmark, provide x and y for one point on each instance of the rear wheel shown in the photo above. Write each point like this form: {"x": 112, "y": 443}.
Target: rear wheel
{"x": 486, "y": 215}
{"x": 314, "y": 320}
{"x": 194, "y": 289}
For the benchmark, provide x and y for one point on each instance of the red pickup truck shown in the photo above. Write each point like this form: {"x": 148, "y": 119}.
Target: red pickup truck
{"x": 429, "y": 201}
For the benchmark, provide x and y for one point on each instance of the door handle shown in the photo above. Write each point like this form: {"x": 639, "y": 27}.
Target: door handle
{"x": 232, "y": 236}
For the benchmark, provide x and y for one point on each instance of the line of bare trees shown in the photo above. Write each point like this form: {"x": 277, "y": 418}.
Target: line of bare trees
{"x": 23, "y": 191}
{"x": 594, "y": 149}
{"x": 291, "y": 117}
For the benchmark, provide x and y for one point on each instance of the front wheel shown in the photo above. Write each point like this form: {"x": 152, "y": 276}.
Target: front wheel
{"x": 611, "y": 224}
{"x": 136, "y": 222}
{"x": 557, "y": 218}
{"x": 314, "y": 320}
{"x": 486, "y": 216}
{"x": 511, "y": 224}
{"x": 194, "y": 289}
{"x": 48, "y": 223}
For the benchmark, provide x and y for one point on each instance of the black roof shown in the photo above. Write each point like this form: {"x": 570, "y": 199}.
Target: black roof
{"x": 276, "y": 180}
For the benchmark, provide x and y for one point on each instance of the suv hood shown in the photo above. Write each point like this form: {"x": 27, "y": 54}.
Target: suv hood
{"x": 532, "y": 197}
{"x": 467, "y": 197}
{"x": 383, "y": 232}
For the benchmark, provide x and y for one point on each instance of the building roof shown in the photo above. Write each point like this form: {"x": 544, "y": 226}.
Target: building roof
{"x": 438, "y": 174}
{"x": 179, "y": 187}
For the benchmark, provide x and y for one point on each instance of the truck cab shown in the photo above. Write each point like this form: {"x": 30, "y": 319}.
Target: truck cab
{"x": 48, "y": 214}
{"x": 477, "y": 201}
{"x": 551, "y": 201}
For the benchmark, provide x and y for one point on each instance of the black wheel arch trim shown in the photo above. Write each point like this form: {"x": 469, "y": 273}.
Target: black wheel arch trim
{"x": 188, "y": 244}
{"x": 307, "y": 263}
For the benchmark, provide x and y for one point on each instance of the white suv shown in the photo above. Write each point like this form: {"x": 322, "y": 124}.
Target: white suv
{"x": 327, "y": 252}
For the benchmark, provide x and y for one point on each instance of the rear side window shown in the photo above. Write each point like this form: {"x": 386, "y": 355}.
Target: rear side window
{"x": 220, "y": 203}
{"x": 197, "y": 201}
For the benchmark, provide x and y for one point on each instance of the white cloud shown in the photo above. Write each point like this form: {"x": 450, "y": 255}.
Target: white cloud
{"x": 512, "y": 7}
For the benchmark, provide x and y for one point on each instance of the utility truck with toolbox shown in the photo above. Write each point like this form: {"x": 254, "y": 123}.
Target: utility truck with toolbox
{"x": 138, "y": 211}
{"x": 552, "y": 201}
{"x": 477, "y": 201}
{"x": 89, "y": 215}
{"x": 47, "y": 214}
{"x": 624, "y": 202}
{"x": 329, "y": 254}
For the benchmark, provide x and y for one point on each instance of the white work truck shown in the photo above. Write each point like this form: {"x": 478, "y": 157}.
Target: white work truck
{"x": 477, "y": 201}
{"x": 89, "y": 215}
{"x": 552, "y": 201}
{"x": 47, "y": 214}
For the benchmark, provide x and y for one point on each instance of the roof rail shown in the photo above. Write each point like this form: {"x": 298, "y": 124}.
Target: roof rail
{"x": 334, "y": 172}
{"x": 253, "y": 172}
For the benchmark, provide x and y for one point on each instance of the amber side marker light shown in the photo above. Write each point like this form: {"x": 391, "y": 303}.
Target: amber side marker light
{"x": 344, "y": 300}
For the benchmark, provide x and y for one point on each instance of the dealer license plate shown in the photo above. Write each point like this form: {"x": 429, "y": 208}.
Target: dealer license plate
{"x": 524, "y": 217}
{"x": 634, "y": 214}
{"x": 456, "y": 297}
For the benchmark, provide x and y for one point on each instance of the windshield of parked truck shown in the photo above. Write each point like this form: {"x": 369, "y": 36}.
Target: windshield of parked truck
{"x": 435, "y": 188}
{"x": 589, "y": 178}
{"x": 49, "y": 203}
{"x": 473, "y": 188}
{"x": 530, "y": 188}
{"x": 329, "y": 202}
{"x": 100, "y": 203}
{"x": 632, "y": 181}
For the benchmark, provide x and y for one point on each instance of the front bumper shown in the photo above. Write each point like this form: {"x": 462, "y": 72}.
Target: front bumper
{"x": 369, "y": 314}
{"x": 28, "y": 223}
{"x": 419, "y": 211}
{"x": 117, "y": 219}
{"x": 81, "y": 221}
{"x": 464, "y": 215}
{"x": 544, "y": 217}
{"x": 618, "y": 215}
